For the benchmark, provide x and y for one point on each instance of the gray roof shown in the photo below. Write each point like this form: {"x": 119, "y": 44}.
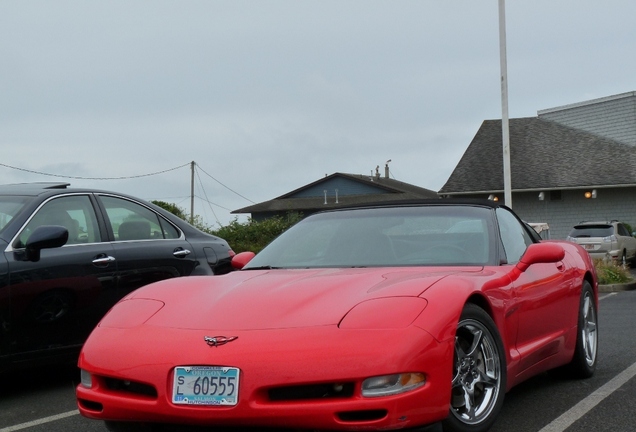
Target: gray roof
{"x": 383, "y": 189}
{"x": 543, "y": 155}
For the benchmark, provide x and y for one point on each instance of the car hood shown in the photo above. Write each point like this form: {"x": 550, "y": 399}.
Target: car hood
{"x": 268, "y": 299}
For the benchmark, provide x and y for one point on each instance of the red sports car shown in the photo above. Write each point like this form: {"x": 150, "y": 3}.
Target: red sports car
{"x": 372, "y": 318}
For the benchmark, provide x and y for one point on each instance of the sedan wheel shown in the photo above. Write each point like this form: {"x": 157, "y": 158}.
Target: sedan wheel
{"x": 479, "y": 373}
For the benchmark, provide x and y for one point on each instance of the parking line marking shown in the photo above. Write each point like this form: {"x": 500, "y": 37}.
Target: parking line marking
{"x": 608, "y": 295}
{"x": 580, "y": 409}
{"x": 40, "y": 421}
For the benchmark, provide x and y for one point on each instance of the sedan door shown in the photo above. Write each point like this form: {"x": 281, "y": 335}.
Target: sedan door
{"x": 56, "y": 300}
{"x": 146, "y": 246}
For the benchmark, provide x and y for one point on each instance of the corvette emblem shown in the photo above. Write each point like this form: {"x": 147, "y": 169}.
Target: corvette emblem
{"x": 219, "y": 340}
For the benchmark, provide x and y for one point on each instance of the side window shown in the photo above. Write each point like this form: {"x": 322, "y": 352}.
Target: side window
{"x": 623, "y": 231}
{"x": 514, "y": 237}
{"x": 75, "y": 213}
{"x": 132, "y": 221}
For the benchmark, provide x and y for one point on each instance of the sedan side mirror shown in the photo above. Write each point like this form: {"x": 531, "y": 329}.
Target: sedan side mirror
{"x": 44, "y": 237}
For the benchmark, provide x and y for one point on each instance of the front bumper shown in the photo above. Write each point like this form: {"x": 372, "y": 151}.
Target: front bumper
{"x": 268, "y": 360}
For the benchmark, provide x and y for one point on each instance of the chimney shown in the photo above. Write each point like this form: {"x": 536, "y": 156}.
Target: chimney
{"x": 386, "y": 169}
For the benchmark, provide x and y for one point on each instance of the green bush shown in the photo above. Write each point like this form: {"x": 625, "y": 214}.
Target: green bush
{"x": 252, "y": 235}
{"x": 247, "y": 236}
{"x": 610, "y": 272}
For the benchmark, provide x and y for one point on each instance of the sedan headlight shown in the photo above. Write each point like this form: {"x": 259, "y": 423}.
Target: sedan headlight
{"x": 386, "y": 385}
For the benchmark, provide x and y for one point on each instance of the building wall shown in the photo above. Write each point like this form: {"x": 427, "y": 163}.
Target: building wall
{"x": 611, "y": 117}
{"x": 573, "y": 207}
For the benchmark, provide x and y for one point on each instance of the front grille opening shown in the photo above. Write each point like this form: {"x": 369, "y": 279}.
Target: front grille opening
{"x": 131, "y": 387}
{"x": 90, "y": 405}
{"x": 311, "y": 391}
{"x": 362, "y": 416}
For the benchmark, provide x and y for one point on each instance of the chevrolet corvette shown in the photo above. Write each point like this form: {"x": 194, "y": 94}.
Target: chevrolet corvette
{"x": 409, "y": 315}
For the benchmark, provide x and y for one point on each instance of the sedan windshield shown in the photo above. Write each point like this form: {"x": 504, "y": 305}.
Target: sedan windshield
{"x": 374, "y": 237}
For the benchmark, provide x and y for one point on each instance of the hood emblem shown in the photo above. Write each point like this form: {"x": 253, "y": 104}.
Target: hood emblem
{"x": 219, "y": 340}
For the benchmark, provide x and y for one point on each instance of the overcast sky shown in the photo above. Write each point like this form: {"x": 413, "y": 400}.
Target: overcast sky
{"x": 267, "y": 96}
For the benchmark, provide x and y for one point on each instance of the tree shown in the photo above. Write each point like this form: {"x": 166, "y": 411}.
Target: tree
{"x": 172, "y": 208}
{"x": 253, "y": 235}
{"x": 246, "y": 236}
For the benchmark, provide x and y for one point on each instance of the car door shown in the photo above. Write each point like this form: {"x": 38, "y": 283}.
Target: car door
{"x": 146, "y": 246}
{"x": 629, "y": 242}
{"x": 5, "y": 307}
{"x": 542, "y": 294}
{"x": 57, "y": 300}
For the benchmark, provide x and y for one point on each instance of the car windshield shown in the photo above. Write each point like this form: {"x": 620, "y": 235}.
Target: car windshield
{"x": 592, "y": 231}
{"x": 396, "y": 236}
{"x": 10, "y": 206}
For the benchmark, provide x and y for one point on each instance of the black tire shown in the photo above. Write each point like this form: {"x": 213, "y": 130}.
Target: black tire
{"x": 583, "y": 364}
{"x": 479, "y": 373}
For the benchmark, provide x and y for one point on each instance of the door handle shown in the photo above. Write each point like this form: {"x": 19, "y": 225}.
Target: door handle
{"x": 103, "y": 260}
{"x": 180, "y": 252}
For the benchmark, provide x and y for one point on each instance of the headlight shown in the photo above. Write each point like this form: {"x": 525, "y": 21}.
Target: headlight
{"x": 131, "y": 313}
{"x": 386, "y": 385}
{"x": 86, "y": 379}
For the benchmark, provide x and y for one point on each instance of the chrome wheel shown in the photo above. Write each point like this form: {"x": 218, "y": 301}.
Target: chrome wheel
{"x": 589, "y": 336}
{"x": 477, "y": 386}
{"x": 583, "y": 364}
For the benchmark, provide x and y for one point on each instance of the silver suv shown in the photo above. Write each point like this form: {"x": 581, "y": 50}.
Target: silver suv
{"x": 605, "y": 240}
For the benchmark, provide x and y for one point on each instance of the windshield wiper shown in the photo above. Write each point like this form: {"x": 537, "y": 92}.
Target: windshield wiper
{"x": 265, "y": 267}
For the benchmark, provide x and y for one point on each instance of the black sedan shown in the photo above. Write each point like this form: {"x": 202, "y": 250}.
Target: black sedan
{"x": 70, "y": 254}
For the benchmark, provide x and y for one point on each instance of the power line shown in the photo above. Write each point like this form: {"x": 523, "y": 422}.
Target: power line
{"x": 206, "y": 199}
{"x": 233, "y": 191}
{"x": 210, "y": 202}
{"x": 93, "y": 178}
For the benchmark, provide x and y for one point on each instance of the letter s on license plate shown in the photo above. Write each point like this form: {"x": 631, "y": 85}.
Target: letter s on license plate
{"x": 205, "y": 385}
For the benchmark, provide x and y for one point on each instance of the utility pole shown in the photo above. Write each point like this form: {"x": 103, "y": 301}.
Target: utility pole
{"x": 505, "y": 130}
{"x": 192, "y": 193}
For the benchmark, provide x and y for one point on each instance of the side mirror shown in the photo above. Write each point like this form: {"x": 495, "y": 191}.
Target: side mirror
{"x": 240, "y": 260}
{"x": 541, "y": 253}
{"x": 44, "y": 237}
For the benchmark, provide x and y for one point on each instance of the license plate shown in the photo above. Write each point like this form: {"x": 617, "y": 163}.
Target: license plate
{"x": 205, "y": 385}
{"x": 589, "y": 246}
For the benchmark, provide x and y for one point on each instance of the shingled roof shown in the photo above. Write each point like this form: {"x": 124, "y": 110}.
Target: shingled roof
{"x": 353, "y": 189}
{"x": 543, "y": 155}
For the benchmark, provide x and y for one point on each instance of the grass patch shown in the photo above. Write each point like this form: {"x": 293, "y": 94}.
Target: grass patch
{"x": 610, "y": 272}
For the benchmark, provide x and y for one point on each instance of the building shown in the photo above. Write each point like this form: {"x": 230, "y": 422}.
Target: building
{"x": 571, "y": 163}
{"x": 337, "y": 190}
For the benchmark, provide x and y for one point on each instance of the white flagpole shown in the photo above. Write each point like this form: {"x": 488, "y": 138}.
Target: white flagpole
{"x": 505, "y": 132}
